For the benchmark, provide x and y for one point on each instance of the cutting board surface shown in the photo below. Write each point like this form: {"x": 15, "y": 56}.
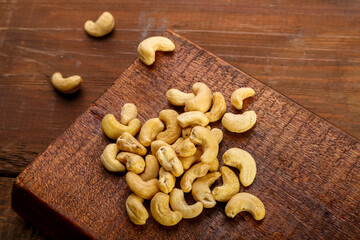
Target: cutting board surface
{"x": 308, "y": 172}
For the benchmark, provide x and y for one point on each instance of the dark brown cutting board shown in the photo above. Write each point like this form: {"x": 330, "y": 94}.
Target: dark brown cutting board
{"x": 308, "y": 171}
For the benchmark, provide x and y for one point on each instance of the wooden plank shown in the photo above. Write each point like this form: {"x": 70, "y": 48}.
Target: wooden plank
{"x": 308, "y": 170}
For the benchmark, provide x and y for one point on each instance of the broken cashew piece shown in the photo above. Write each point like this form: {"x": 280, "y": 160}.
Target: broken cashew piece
{"x": 133, "y": 162}
{"x": 149, "y": 130}
{"x": 242, "y": 160}
{"x": 239, "y": 123}
{"x": 136, "y": 210}
{"x": 230, "y": 187}
{"x": 168, "y": 159}
{"x": 141, "y": 188}
{"x": 66, "y": 85}
{"x": 108, "y": 160}
{"x": 186, "y": 148}
{"x": 113, "y": 129}
{"x": 177, "y": 98}
{"x": 103, "y": 25}
{"x": 161, "y": 212}
{"x": 245, "y": 202}
{"x": 210, "y": 146}
{"x": 148, "y": 47}
{"x": 218, "y": 109}
{"x": 201, "y": 189}
{"x": 202, "y": 100}
{"x": 166, "y": 181}
{"x": 173, "y": 129}
{"x": 151, "y": 168}
{"x": 178, "y": 203}
{"x": 193, "y": 118}
{"x": 128, "y": 113}
{"x": 196, "y": 171}
{"x": 155, "y": 145}
{"x": 239, "y": 95}
{"x": 128, "y": 143}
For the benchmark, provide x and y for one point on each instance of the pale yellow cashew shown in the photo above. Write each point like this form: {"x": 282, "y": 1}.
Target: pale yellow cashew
{"x": 218, "y": 134}
{"x": 173, "y": 129}
{"x": 148, "y": 47}
{"x": 133, "y": 162}
{"x": 185, "y": 132}
{"x": 230, "y": 187}
{"x": 168, "y": 159}
{"x": 151, "y": 168}
{"x": 141, "y": 188}
{"x": 239, "y": 95}
{"x": 186, "y": 148}
{"x": 161, "y": 212}
{"x": 177, "y": 97}
{"x": 128, "y": 143}
{"x": 66, "y": 85}
{"x": 103, "y": 25}
{"x": 166, "y": 181}
{"x": 239, "y": 123}
{"x": 201, "y": 189}
{"x": 113, "y": 129}
{"x": 193, "y": 118}
{"x": 245, "y": 202}
{"x": 210, "y": 146}
{"x": 128, "y": 113}
{"x": 188, "y": 161}
{"x": 155, "y": 145}
{"x": 177, "y": 143}
{"x": 178, "y": 203}
{"x": 242, "y": 160}
{"x": 136, "y": 210}
{"x": 150, "y": 130}
{"x": 218, "y": 109}
{"x": 214, "y": 165}
{"x": 196, "y": 171}
{"x": 108, "y": 160}
{"x": 202, "y": 100}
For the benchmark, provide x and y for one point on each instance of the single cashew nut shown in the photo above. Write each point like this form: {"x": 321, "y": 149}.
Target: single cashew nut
{"x": 176, "y": 144}
{"x": 151, "y": 168}
{"x": 218, "y": 109}
{"x": 210, "y": 146}
{"x": 103, "y": 25}
{"x": 188, "y": 161}
{"x": 201, "y": 189}
{"x": 128, "y": 113}
{"x": 136, "y": 210}
{"x": 141, "y": 188}
{"x": 108, "y": 160}
{"x": 203, "y": 99}
{"x": 185, "y": 132}
{"x": 196, "y": 171}
{"x": 245, "y": 202}
{"x": 127, "y": 142}
{"x": 218, "y": 134}
{"x": 193, "y": 118}
{"x": 148, "y": 47}
{"x": 133, "y": 162}
{"x": 177, "y": 97}
{"x": 242, "y": 160}
{"x": 149, "y": 130}
{"x": 186, "y": 148}
{"x": 113, "y": 129}
{"x": 239, "y": 95}
{"x": 239, "y": 122}
{"x": 66, "y": 85}
{"x": 168, "y": 159}
{"x": 166, "y": 181}
{"x": 173, "y": 129}
{"x": 214, "y": 165}
{"x": 155, "y": 145}
{"x": 230, "y": 187}
{"x": 178, "y": 203}
{"x": 161, "y": 212}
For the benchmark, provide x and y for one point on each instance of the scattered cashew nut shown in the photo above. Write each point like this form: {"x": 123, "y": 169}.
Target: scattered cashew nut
{"x": 136, "y": 210}
{"x": 202, "y": 100}
{"x": 173, "y": 129}
{"x": 166, "y": 181}
{"x": 245, "y": 202}
{"x": 151, "y": 168}
{"x": 201, "y": 189}
{"x": 66, "y": 85}
{"x": 230, "y": 186}
{"x": 239, "y": 122}
{"x": 168, "y": 159}
{"x": 177, "y": 97}
{"x": 218, "y": 134}
{"x": 128, "y": 113}
{"x": 127, "y": 142}
{"x": 161, "y": 212}
{"x": 177, "y": 143}
{"x": 133, "y": 162}
{"x": 141, "y": 188}
{"x": 113, "y": 129}
{"x": 103, "y": 25}
{"x": 210, "y": 146}
{"x": 196, "y": 171}
{"x": 178, "y": 203}
{"x": 108, "y": 160}
{"x": 188, "y": 161}
{"x": 192, "y": 118}
{"x": 149, "y": 130}
{"x": 186, "y": 148}
{"x": 239, "y": 95}
{"x": 148, "y": 47}
{"x": 155, "y": 145}
{"x": 218, "y": 109}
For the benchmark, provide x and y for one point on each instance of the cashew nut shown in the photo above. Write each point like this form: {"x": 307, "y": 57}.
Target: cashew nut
{"x": 214, "y": 165}
{"x": 151, "y": 168}
{"x": 188, "y": 161}
{"x": 149, "y": 130}
{"x": 192, "y": 118}
{"x": 239, "y": 95}
{"x": 168, "y": 159}
{"x": 166, "y": 180}
{"x": 161, "y": 212}
{"x": 245, "y": 202}
{"x": 201, "y": 189}
{"x": 239, "y": 122}
{"x": 66, "y": 85}
{"x": 177, "y": 97}
{"x": 218, "y": 134}
{"x": 133, "y": 162}
{"x": 173, "y": 129}
{"x": 178, "y": 203}
{"x": 141, "y": 188}
{"x": 136, "y": 210}
{"x": 103, "y": 25}
{"x": 185, "y": 132}
{"x": 177, "y": 143}
{"x": 113, "y": 129}
{"x": 218, "y": 109}
{"x": 186, "y": 148}
{"x": 230, "y": 186}
{"x": 196, "y": 171}
{"x": 202, "y": 100}
{"x": 127, "y": 142}
{"x": 155, "y": 145}
{"x": 108, "y": 160}
{"x": 148, "y": 47}
{"x": 128, "y": 113}
{"x": 242, "y": 160}
{"x": 210, "y": 146}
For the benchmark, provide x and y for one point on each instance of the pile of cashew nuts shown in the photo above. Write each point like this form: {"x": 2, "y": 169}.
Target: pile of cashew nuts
{"x": 182, "y": 146}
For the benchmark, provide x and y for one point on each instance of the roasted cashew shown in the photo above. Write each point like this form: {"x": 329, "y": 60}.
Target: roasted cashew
{"x": 168, "y": 159}
{"x": 177, "y": 97}
{"x": 149, "y": 130}
{"x": 151, "y": 168}
{"x": 176, "y": 144}
{"x": 201, "y": 189}
{"x": 239, "y": 95}
{"x": 218, "y": 109}
{"x": 141, "y": 188}
{"x": 193, "y": 118}
{"x": 103, "y": 25}
{"x": 239, "y": 122}
{"x": 108, "y": 160}
{"x": 245, "y": 202}
{"x": 166, "y": 180}
{"x": 161, "y": 212}
{"x": 185, "y": 132}
{"x": 214, "y": 165}
{"x": 66, "y": 85}
{"x": 113, "y": 129}
{"x": 178, "y": 203}
{"x": 188, "y": 161}
{"x": 136, "y": 210}
{"x": 202, "y": 100}
{"x": 148, "y": 47}
{"x": 242, "y": 160}
{"x": 126, "y": 142}
{"x": 128, "y": 113}
{"x": 155, "y": 145}
{"x": 210, "y": 146}
{"x": 133, "y": 162}
{"x": 218, "y": 134}
{"x": 230, "y": 186}
{"x": 186, "y": 148}
{"x": 196, "y": 171}
{"x": 173, "y": 129}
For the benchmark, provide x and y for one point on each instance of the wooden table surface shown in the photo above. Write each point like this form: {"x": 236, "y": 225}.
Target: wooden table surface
{"x": 307, "y": 50}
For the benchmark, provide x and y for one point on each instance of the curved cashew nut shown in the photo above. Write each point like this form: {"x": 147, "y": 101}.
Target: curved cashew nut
{"x": 136, "y": 210}
{"x": 214, "y": 165}
{"x": 113, "y": 129}
{"x": 196, "y": 171}
{"x": 218, "y": 109}
{"x": 141, "y": 188}
{"x": 66, "y": 85}
{"x": 161, "y": 212}
{"x": 242, "y": 160}
{"x": 103, "y": 25}
{"x": 126, "y": 142}
{"x": 151, "y": 168}
{"x": 128, "y": 113}
{"x": 108, "y": 160}
{"x": 177, "y": 143}
{"x": 203, "y": 137}
{"x": 178, "y": 203}
{"x": 173, "y": 129}
{"x": 185, "y": 132}
{"x": 188, "y": 161}
{"x": 177, "y": 97}
{"x": 168, "y": 159}
{"x": 155, "y": 145}
{"x": 166, "y": 181}
{"x": 201, "y": 189}
{"x": 186, "y": 148}
{"x": 148, "y": 47}
{"x": 193, "y": 118}
{"x": 239, "y": 95}
{"x": 203, "y": 99}
{"x": 149, "y": 130}
{"x": 133, "y": 162}
{"x": 218, "y": 134}
{"x": 239, "y": 122}
{"x": 230, "y": 186}
{"x": 245, "y": 202}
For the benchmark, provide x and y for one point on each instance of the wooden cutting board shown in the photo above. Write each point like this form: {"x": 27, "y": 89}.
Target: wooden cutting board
{"x": 308, "y": 171}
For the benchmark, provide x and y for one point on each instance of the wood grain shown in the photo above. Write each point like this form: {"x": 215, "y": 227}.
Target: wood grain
{"x": 308, "y": 170}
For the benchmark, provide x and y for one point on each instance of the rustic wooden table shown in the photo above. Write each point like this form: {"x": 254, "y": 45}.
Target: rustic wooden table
{"x": 307, "y": 50}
